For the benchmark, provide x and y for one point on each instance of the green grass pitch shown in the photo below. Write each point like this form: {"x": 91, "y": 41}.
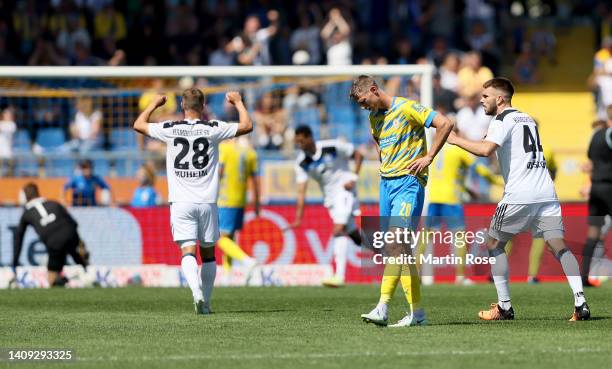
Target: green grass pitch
{"x": 305, "y": 328}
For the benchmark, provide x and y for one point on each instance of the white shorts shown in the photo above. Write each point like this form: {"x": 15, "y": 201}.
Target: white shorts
{"x": 191, "y": 222}
{"x": 543, "y": 219}
{"x": 343, "y": 209}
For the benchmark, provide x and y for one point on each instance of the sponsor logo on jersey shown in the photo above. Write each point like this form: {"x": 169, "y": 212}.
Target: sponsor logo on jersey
{"x": 388, "y": 141}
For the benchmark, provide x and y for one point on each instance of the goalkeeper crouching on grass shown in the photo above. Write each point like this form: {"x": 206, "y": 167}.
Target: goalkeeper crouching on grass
{"x": 56, "y": 229}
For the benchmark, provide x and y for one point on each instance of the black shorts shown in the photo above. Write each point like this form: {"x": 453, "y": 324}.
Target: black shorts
{"x": 600, "y": 202}
{"x": 59, "y": 250}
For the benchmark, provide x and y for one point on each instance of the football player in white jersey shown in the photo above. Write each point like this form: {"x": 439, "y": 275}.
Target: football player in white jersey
{"x": 529, "y": 201}
{"x": 327, "y": 162}
{"x": 192, "y": 159}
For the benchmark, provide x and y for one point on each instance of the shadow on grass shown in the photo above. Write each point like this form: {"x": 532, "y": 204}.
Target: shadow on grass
{"x": 256, "y": 311}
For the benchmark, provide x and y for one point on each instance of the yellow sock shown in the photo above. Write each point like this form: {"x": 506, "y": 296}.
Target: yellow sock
{"x": 411, "y": 284}
{"x": 461, "y": 252}
{"x": 391, "y": 276}
{"x": 535, "y": 256}
{"x": 231, "y": 248}
{"x": 420, "y": 250}
{"x": 508, "y": 248}
{"x": 227, "y": 263}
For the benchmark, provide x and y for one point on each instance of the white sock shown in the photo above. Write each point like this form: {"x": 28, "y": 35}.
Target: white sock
{"x": 572, "y": 273}
{"x": 382, "y": 307}
{"x": 500, "y": 277}
{"x": 341, "y": 245}
{"x": 209, "y": 272}
{"x": 189, "y": 266}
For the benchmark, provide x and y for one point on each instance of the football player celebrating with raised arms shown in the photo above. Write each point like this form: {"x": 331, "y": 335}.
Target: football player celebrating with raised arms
{"x": 398, "y": 127}
{"x": 192, "y": 160}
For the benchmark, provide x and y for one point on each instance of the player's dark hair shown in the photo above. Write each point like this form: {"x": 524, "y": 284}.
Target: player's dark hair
{"x": 86, "y": 164}
{"x": 303, "y": 130}
{"x": 360, "y": 85}
{"x": 502, "y": 84}
{"x": 30, "y": 190}
{"x": 193, "y": 99}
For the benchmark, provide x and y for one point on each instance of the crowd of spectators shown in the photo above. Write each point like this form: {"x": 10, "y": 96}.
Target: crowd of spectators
{"x": 264, "y": 32}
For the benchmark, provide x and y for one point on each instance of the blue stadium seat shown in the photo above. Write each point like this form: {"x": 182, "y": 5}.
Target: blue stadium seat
{"x": 21, "y": 141}
{"x": 101, "y": 167}
{"x": 127, "y": 167}
{"x": 341, "y": 115}
{"x": 50, "y": 138}
{"x": 310, "y": 117}
{"x": 123, "y": 138}
{"x": 59, "y": 167}
{"x": 215, "y": 104}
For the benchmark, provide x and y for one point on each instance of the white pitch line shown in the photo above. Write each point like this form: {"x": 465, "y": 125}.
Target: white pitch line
{"x": 333, "y": 355}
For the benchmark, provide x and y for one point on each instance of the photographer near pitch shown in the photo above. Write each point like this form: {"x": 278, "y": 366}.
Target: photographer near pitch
{"x": 56, "y": 229}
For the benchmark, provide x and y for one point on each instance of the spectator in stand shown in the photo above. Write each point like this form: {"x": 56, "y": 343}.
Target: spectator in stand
{"x": 271, "y": 123}
{"x": 109, "y": 23}
{"x": 525, "y": 67}
{"x": 472, "y": 75}
{"x": 306, "y": 38}
{"x": 84, "y": 185}
{"x": 544, "y": 43}
{"x": 145, "y": 195}
{"x": 223, "y": 55}
{"x": 85, "y": 130}
{"x": 72, "y": 34}
{"x": 336, "y": 35}
{"x": 8, "y": 127}
{"x": 601, "y": 78}
{"x": 83, "y": 57}
{"x": 45, "y": 53}
{"x": 473, "y": 124}
{"x": 252, "y": 45}
{"x": 444, "y": 100}
{"x": 439, "y": 51}
{"x": 449, "y": 71}
{"x": 405, "y": 52}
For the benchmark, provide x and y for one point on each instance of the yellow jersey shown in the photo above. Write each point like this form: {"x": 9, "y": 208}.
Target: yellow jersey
{"x": 400, "y": 134}
{"x": 237, "y": 164}
{"x": 447, "y": 175}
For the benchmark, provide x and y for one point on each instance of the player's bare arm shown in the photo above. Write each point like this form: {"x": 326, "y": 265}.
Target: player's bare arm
{"x": 141, "y": 123}
{"x": 358, "y": 158}
{"x": 482, "y": 148}
{"x": 301, "y": 200}
{"x": 245, "y": 124}
{"x": 443, "y": 127}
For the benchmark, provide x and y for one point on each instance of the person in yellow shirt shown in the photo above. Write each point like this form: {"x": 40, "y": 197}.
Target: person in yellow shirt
{"x": 238, "y": 167}
{"x": 446, "y": 188}
{"x": 472, "y": 75}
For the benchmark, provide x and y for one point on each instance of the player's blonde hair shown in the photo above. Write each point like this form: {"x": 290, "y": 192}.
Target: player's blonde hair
{"x": 193, "y": 99}
{"x": 360, "y": 85}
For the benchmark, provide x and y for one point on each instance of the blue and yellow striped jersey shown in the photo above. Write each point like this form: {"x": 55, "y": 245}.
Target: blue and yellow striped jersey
{"x": 238, "y": 163}
{"x": 400, "y": 133}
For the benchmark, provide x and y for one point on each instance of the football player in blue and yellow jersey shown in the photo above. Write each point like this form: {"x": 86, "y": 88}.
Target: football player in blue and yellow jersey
{"x": 238, "y": 166}
{"x": 398, "y": 127}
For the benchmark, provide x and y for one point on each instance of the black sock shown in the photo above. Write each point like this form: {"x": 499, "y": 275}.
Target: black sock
{"x": 587, "y": 255}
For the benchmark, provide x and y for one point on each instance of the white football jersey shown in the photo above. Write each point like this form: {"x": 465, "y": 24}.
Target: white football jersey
{"x": 521, "y": 158}
{"x": 192, "y": 157}
{"x": 329, "y": 167}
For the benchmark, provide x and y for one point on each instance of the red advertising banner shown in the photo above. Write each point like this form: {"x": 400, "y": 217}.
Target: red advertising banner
{"x": 267, "y": 238}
